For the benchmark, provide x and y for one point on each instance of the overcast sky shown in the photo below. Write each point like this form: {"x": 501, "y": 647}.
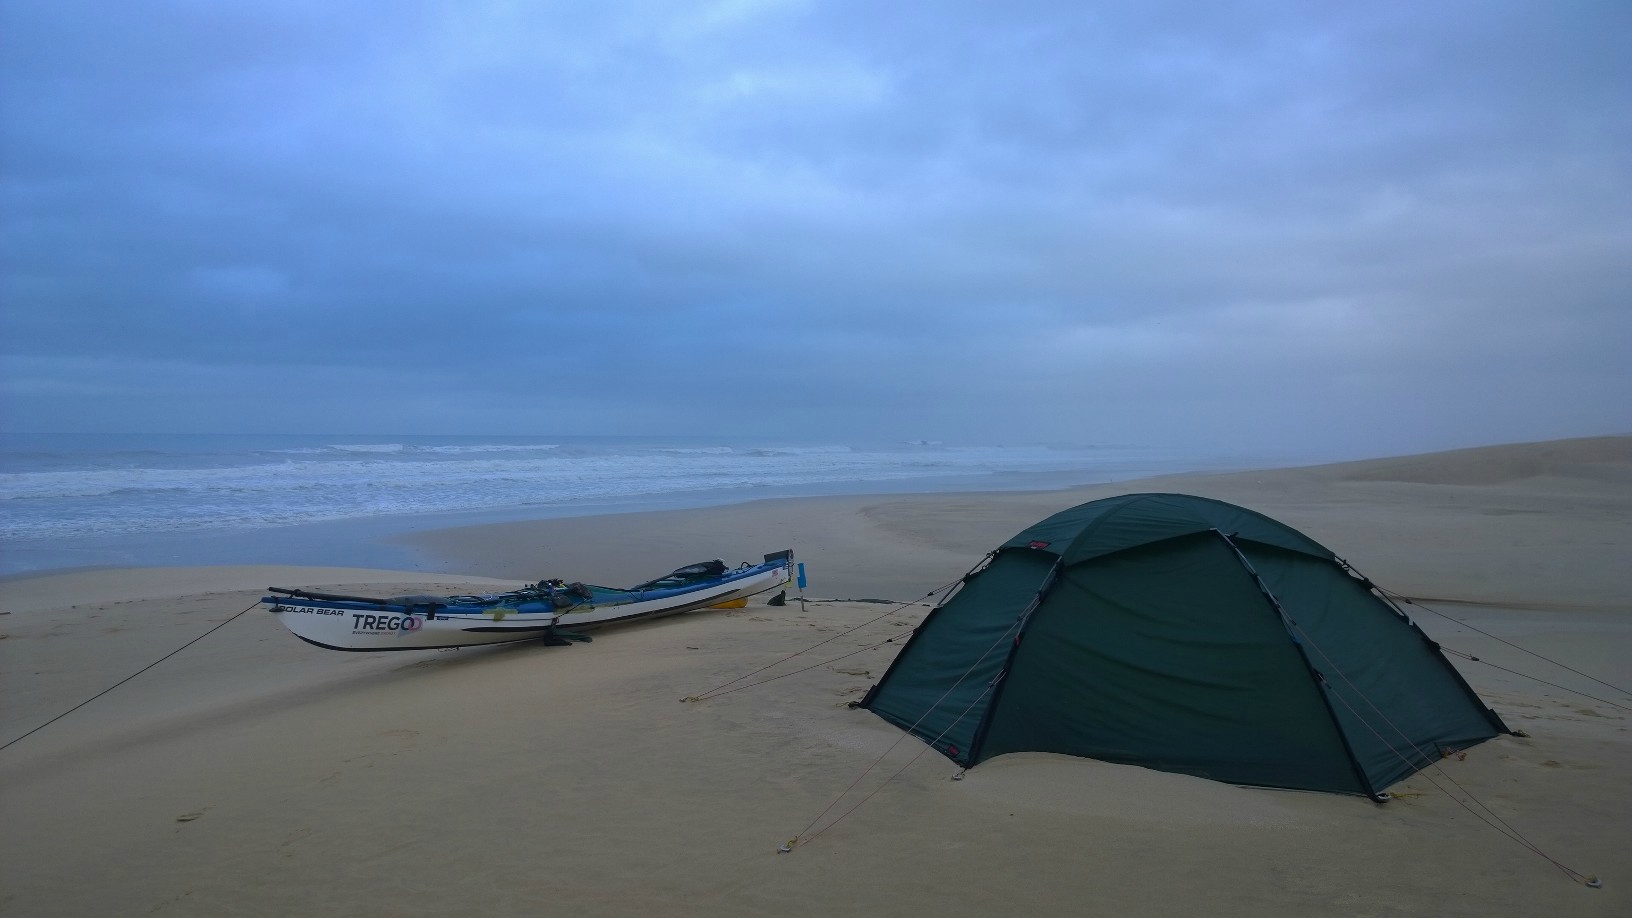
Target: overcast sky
{"x": 1401, "y": 226}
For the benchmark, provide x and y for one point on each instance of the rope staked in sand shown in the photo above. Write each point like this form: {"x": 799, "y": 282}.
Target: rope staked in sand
{"x": 715, "y": 691}
{"x": 1388, "y": 595}
{"x": 1299, "y": 634}
{"x": 1430, "y": 762}
{"x": 1427, "y": 762}
{"x": 802, "y": 669}
{"x": 131, "y": 676}
{"x": 1019, "y": 623}
{"x": 796, "y": 840}
{"x": 1504, "y": 828}
{"x": 1472, "y": 658}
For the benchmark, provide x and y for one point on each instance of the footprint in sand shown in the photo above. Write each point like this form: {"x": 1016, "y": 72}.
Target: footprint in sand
{"x": 189, "y": 817}
{"x": 298, "y": 835}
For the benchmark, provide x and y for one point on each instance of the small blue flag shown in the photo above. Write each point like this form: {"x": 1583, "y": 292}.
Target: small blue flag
{"x": 801, "y": 575}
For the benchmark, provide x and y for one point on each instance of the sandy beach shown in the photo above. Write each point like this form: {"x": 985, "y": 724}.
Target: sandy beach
{"x": 252, "y": 774}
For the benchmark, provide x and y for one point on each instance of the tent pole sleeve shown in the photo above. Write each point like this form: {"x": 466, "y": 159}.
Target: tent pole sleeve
{"x": 979, "y": 738}
{"x": 1314, "y": 674}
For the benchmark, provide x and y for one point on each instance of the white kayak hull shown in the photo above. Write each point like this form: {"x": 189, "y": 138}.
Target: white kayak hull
{"x": 354, "y": 626}
{"x": 353, "y": 629}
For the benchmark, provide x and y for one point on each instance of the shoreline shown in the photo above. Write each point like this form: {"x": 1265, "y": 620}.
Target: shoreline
{"x": 242, "y": 501}
{"x": 407, "y": 541}
{"x": 1529, "y": 492}
{"x": 375, "y": 541}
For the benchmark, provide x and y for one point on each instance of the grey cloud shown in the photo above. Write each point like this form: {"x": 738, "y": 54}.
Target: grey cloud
{"x": 1107, "y": 221}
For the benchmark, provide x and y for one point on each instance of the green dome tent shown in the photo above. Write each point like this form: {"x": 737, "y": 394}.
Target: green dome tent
{"x": 1182, "y": 634}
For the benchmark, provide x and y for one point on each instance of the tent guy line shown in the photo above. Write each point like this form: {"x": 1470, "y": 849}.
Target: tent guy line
{"x": 1140, "y": 641}
{"x": 1154, "y": 644}
{"x": 1489, "y": 816}
{"x": 802, "y": 837}
{"x": 1393, "y": 596}
{"x": 133, "y": 675}
{"x": 716, "y": 690}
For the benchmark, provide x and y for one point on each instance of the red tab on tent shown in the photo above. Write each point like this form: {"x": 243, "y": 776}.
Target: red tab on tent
{"x": 1037, "y": 545}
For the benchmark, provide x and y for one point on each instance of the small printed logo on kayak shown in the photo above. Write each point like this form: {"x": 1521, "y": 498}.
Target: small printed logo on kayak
{"x": 376, "y": 623}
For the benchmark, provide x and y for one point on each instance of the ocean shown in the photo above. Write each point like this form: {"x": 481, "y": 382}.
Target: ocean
{"x": 76, "y": 500}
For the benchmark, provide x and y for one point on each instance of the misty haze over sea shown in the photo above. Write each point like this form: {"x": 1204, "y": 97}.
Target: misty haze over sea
{"x": 95, "y": 499}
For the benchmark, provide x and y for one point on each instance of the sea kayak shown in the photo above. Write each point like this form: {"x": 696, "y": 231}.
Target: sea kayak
{"x": 535, "y": 612}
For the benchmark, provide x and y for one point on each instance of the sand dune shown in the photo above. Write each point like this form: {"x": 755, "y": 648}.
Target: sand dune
{"x": 253, "y": 774}
{"x": 1603, "y": 459}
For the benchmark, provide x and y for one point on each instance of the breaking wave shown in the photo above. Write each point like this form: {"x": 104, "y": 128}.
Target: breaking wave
{"x": 56, "y": 493}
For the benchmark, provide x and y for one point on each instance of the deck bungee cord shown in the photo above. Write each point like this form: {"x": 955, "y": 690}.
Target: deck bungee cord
{"x": 131, "y": 676}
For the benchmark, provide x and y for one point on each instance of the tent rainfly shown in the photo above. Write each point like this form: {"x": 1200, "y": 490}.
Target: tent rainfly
{"x": 1188, "y": 635}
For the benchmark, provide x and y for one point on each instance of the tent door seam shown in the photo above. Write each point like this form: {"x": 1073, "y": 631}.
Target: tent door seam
{"x": 1308, "y": 665}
